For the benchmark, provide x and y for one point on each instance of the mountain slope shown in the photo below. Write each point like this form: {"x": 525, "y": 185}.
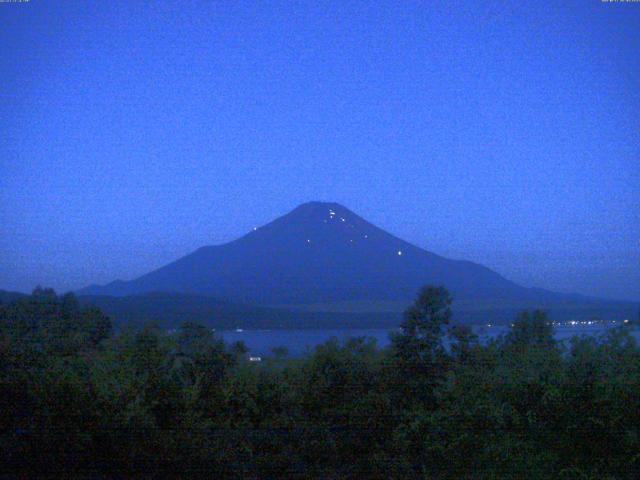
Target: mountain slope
{"x": 324, "y": 253}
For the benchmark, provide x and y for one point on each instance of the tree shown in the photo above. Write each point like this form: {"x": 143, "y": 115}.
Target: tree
{"x": 239, "y": 349}
{"x": 40, "y": 293}
{"x": 418, "y": 357}
{"x": 97, "y": 325}
{"x": 428, "y": 315}
{"x": 280, "y": 352}
{"x": 419, "y": 345}
{"x": 463, "y": 341}
{"x": 531, "y": 329}
{"x": 202, "y": 362}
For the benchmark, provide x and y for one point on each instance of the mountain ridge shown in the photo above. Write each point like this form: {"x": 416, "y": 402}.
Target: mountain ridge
{"x": 322, "y": 252}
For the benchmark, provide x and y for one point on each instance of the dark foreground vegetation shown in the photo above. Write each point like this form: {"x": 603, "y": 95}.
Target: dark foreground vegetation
{"x": 77, "y": 400}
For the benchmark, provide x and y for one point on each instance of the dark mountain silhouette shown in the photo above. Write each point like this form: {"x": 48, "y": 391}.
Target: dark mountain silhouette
{"x": 323, "y": 253}
{"x": 8, "y": 297}
{"x": 172, "y": 309}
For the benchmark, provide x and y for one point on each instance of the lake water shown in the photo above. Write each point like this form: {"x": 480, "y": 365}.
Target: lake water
{"x": 298, "y": 342}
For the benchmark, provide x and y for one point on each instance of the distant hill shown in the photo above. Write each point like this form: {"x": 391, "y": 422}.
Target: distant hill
{"x": 7, "y": 297}
{"x": 172, "y": 309}
{"x": 324, "y": 254}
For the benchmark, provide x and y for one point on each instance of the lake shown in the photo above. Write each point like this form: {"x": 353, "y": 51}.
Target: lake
{"x": 298, "y": 342}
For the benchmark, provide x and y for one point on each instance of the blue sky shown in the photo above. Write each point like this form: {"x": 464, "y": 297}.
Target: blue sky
{"x": 132, "y": 133}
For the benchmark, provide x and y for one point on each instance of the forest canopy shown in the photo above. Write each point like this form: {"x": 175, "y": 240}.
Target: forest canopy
{"x": 78, "y": 399}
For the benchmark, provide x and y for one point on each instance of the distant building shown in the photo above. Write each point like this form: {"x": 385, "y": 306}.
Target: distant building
{"x": 255, "y": 359}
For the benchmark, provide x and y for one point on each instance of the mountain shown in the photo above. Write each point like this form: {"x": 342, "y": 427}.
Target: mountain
{"x": 321, "y": 255}
{"x": 319, "y": 252}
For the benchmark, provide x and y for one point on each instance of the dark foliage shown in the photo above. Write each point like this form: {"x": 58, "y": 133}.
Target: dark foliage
{"x": 78, "y": 401}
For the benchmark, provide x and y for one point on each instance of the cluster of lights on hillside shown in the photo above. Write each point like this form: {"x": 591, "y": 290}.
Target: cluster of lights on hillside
{"x": 576, "y": 323}
{"x": 333, "y": 216}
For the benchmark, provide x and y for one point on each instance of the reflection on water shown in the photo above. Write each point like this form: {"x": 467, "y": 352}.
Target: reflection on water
{"x": 261, "y": 342}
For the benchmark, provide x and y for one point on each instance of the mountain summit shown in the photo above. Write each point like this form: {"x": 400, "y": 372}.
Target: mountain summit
{"x": 323, "y": 253}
